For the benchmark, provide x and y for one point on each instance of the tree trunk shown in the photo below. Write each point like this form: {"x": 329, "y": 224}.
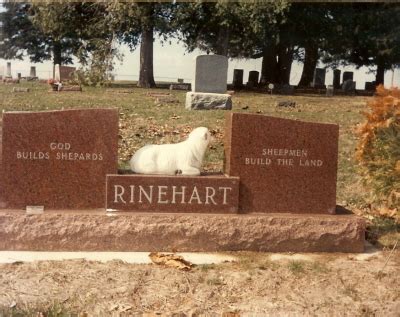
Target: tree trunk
{"x": 146, "y": 77}
{"x": 223, "y": 41}
{"x": 285, "y": 59}
{"x": 268, "y": 66}
{"x": 380, "y": 74}
{"x": 57, "y": 53}
{"x": 56, "y": 56}
{"x": 310, "y": 62}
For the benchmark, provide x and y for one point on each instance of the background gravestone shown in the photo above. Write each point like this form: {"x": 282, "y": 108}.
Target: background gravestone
{"x": 319, "y": 77}
{"x": 349, "y": 86}
{"x": 66, "y": 72}
{"x": 8, "y": 73}
{"x": 253, "y": 79}
{"x": 370, "y": 85}
{"x": 284, "y": 165}
{"x": 210, "y": 83}
{"x": 56, "y": 72}
{"x": 347, "y": 76}
{"x": 237, "y": 78}
{"x": 58, "y": 159}
{"x": 336, "y": 78}
{"x": 32, "y": 72}
{"x": 211, "y": 74}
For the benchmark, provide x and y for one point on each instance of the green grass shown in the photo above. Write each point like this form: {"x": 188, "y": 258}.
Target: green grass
{"x": 296, "y": 267}
{"x": 53, "y": 309}
{"x": 383, "y": 232}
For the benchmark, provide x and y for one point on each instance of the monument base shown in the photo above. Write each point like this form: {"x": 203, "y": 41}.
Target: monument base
{"x": 94, "y": 230}
{"x": 208, "y": 101}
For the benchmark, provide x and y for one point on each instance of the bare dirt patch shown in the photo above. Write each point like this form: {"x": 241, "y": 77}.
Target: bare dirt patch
{"x": 323, "y": 284}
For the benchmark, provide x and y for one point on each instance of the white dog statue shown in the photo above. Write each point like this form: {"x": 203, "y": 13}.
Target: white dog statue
{"x": 183, "y": 158}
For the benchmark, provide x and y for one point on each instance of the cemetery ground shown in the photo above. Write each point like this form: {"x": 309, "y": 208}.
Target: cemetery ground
{"x": 329, "y": 284}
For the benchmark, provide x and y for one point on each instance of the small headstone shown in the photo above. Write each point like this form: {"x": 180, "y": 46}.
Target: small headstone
{"x": 8, "y": 73}
{"x": 9, "y": 80}
{"x": 253, "y": 79}
{"x": 58, "y": 159}
{"x": 349, "y": 86}
{"x": 64, "y": 88}
{"x": 180, "y": 80}
{"x": 347, "y": 76}
{"x": 329, "y": 91}
{"x": 284, "y": 165}
{"x": 370, "y": 86}
{"x": 57, "y": 75}
{"x": 286, "y": 104}
{"x": 319, "y": 78}
{"x": 66, "y": 73}
{"x": 237, "y": 78}
{"x": 336, "y": 78}
{"x": 179, "y": 87}
{"x": 32, "y": 72}
{"x": 152, "y": 193}
{"x": 211, "y": 74}
{"x": 20, "y": 89}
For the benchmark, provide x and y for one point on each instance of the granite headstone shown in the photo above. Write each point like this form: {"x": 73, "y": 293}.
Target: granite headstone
{"x": 66, "y": 72}
{"x": 8, "y": 72}
{"x": 211, "y": 74}
{"x": 32, "y": 71}
{"x": 253, "y": 79}
{"x": 336, "y": 78}
{"x": 284, "y": 165}
{"x": 348, "y": 76}
{"x": 237, "y": 78}
{"x": 58, "y": 159}
{"x": 319, "y": 77}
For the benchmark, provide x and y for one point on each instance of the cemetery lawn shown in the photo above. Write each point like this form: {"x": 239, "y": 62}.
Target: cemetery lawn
{"x": 329, "y": 284}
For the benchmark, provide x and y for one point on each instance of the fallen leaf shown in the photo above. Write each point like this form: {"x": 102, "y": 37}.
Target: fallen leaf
{"x": 171, "y": 260}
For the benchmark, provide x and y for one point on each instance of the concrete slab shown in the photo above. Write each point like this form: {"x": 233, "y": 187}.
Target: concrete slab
{"x": 128, "y": 257}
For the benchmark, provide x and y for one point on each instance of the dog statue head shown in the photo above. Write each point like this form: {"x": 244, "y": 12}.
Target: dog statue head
{"x": 199, "y": 139}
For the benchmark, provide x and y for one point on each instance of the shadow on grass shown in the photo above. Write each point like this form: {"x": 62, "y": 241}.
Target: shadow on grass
{"x": 383, "y": 232}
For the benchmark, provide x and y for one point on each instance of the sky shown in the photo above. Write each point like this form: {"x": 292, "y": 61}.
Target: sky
{"x": 172, "y": 62}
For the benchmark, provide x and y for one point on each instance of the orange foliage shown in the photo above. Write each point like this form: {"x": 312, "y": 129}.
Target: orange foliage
{"x": 385, "y": 110}
{"x": 378, "y": 150}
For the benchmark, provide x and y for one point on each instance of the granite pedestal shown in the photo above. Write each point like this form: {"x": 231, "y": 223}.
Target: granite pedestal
{"x": 208, "y": 101}
{"x": 94, "y": 230}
